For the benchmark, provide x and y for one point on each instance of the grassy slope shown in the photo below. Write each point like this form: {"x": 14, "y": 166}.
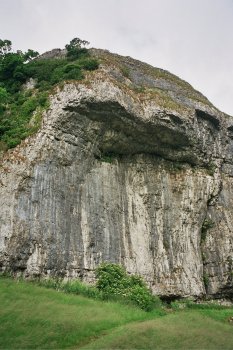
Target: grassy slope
{"x": 182, "y": 330}
{"x": 35, "y": 317}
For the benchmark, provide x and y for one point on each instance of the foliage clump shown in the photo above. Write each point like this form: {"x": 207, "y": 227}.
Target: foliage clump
{"x": 113, "y": 280}
{"x": 21, "y": 108}
{"x": 76, "y": 49}
{"x": 207, "y": 225}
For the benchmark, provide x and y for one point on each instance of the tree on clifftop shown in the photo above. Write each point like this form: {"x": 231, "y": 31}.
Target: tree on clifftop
{"x": 76, "y": 48}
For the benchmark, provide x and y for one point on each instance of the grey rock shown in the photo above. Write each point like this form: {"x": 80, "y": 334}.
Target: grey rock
{"x": 130, "y": 165}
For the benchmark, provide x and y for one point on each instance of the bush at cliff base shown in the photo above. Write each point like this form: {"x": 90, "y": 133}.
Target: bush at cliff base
{"x": 113, "y": 280}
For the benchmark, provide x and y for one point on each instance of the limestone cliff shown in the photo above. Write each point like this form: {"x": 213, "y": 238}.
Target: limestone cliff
{"x": 131, "y": 165}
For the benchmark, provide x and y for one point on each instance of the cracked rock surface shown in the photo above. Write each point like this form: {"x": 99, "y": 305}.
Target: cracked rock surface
{"x": 131, "y": 165}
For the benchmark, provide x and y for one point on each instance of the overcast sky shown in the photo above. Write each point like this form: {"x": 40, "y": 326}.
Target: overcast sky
{"x": 190, "y": 38}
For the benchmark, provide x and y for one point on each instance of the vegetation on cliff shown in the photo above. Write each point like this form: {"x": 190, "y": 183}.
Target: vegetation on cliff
{"x": 27, "y": 79}
{"x": 112, "y": 280}
{"x": 25, "y": 83}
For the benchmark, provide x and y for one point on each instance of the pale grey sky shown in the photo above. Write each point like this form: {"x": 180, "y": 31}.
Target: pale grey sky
{"x": 190, "y": 38}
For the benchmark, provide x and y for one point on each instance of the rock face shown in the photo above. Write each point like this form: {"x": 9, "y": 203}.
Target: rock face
{"x": 133, "y": 166}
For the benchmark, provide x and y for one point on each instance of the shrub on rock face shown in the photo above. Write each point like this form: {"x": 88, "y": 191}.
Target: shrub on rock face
{"x": 89, "y": 64}
{"x": 113, "y": 280}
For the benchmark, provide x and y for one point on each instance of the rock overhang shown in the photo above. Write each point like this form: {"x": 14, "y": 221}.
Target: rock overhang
{"x": 128, "y": 126}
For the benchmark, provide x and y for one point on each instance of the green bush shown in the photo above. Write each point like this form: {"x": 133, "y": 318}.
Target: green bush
{"x": 75, "y": 54}
{"x": 113, "y": 280}
{"x": 43, "y": 69}
{"x": 142, "y": 297}
{"x": 89, "y": 64}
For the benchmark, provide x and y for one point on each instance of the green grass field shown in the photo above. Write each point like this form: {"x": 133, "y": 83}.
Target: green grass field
{"x": 35, "y": 317}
